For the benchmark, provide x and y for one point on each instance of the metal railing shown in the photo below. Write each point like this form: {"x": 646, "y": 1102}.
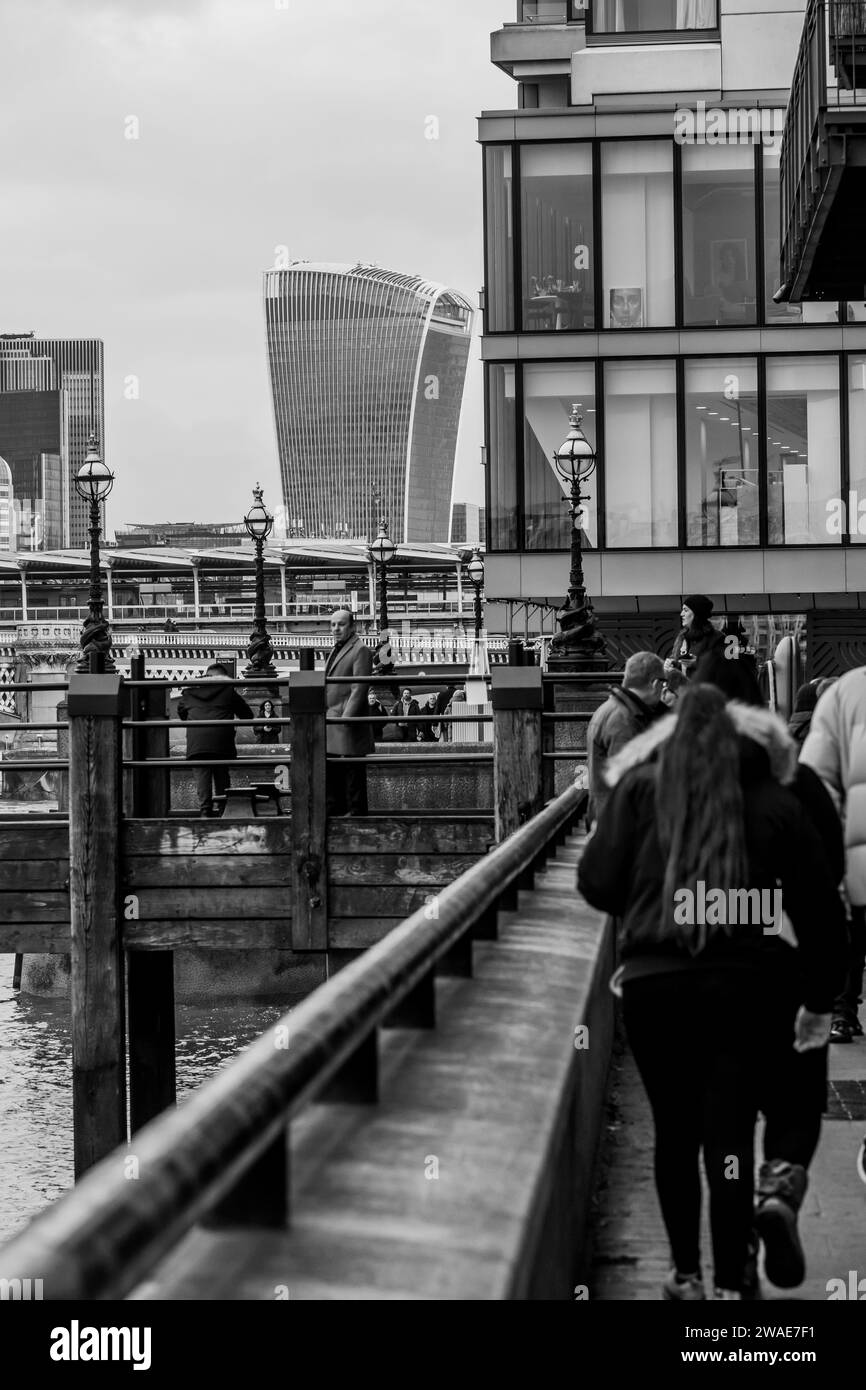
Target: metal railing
{"x": 317, "y": 607}
{"x": 834, "y": 37}
{"x": 107, "y": 1235}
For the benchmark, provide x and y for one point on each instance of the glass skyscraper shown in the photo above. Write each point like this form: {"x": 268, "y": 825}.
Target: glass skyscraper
{"x": 74, "y": 366}
{"x": 367, "y": 373}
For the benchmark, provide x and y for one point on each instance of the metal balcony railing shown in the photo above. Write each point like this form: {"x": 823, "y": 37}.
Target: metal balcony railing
{"x": 830, "y": 72}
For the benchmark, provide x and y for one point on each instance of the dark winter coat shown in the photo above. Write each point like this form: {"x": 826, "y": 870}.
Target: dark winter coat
{"x": 690, "y": 644}
{"x": 622, "y": 867}
{"x": 621, "y": 718}
{"x": 213, "y": 699}
{"x": 354, "y": 658}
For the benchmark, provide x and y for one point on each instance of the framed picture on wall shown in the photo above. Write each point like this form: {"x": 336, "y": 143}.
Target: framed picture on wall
{"x": 626, "y": 307}
{"x": 729, "y": 263}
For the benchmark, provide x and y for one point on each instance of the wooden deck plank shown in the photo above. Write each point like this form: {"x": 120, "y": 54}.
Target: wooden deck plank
{"x": 207, "y": 871}
{"x": 35, "y": 938}
{"x": 166, "y": 934}
{"x": 37, "y": 839}
{"x": 213, "y": 904}
{"x": 265, "y": 835}
{"x": 454, "y": 834}
{"x": 36, "y": 905}
{"x": 396, "y": 869}
{"x": 33, "y": 873}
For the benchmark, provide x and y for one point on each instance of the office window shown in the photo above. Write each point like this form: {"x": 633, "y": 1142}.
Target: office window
{"x": 775, "y": 313}
{"x": 549, "y": 391}
{"x": 634, "y": 16}
{"x": 638, "y": 234}
{"x": 502, "y": 455}
{"x": 500, "y": 239}
{"x": 640, "y": 453}
{"x": 722, "y": 451}
{"x": 802, "y": 448}
{"x": 719, "y": 234}
{"x": 857, "y": 458}
{"x": 556, "y": 235}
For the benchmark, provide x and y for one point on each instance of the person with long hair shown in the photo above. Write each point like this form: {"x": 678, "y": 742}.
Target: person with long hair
{"x": 688, "y": 854}
{"x": 270, "y": 732}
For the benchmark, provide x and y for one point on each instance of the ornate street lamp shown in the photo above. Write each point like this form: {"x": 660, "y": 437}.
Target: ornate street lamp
{"x": 93, "y": 483}
{"x": 259, "y": 524}
{"x": 475, "y": 570}
{"x": 577, "y": 646}
{"x": 382, "y": 552}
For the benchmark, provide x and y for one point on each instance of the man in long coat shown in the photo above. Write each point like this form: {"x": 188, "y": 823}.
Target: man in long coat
{"x": 347, "y": 784}
{"x": 215, "y": 698}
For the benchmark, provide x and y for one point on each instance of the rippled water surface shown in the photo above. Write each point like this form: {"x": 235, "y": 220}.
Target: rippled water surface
{"x": 36, "y": 1085}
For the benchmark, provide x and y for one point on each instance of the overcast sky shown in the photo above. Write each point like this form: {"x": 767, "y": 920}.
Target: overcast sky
{"x": 261, "y": 124}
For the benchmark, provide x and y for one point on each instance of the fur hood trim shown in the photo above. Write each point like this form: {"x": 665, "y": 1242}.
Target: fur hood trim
{"x": 763, "y": 727}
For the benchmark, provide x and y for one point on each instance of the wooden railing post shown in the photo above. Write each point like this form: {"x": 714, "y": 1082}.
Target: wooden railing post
{"x": 150, "y": 974}
{"x": 309, "y": 870}
{"x": 95, "y": 704}
{"x": 517, "y": 699}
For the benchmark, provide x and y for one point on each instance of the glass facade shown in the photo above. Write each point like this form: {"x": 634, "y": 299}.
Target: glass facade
{"x": 719, "y": 235}
{"x": 802, "y": 444}
{"x": 556, "y": 237}
{"x": 653, "y": 16}
{"x": 500, "y": 238}
{"x": 637, "y": 209}
{"x": 774, "y": 313}
{"x": 722, "y": 428}
{"x": 503, "y": 532}
{"x": 549, "y": 392}
{"x": 640, "y": 453}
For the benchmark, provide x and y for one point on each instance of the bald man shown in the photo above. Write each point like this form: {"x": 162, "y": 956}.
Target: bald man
{"x": 347, "y": 784}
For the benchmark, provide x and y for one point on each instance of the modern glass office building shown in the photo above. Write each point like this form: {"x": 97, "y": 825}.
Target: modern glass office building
{"x": 632, "y": 257}
{"x": 367, "y": 373}
{"x": 74, "y": 366}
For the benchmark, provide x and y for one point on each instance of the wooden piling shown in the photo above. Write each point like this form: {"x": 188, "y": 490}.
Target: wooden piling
{"x": 518, "y": 783}
{"x": 96, "y": 982}
{"x": 309, "y": 867}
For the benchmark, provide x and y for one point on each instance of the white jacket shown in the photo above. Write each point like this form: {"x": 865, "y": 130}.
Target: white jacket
{"x": 835, "y": 748}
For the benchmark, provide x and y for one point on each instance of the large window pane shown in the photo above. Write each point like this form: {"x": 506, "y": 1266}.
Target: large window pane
{"x": 722, "y": 451}
{"x": 500, "y": 244}
{"x": 638, "y": 232}
{"x": 634, "y": 16}
{"x": 502, "y": 456}
{"x": 640, "y": 453}
{"x": 857, "y": 457}
{"x": 802, "y": 448}
{"x": 775, "y": 313}
{"x": 549, "y": 391}
{"x": 558, "y": 258}
{"x": 719, "y": 234}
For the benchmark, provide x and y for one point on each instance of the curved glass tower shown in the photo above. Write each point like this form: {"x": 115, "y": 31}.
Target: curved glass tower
{"x": 367, "y": 373}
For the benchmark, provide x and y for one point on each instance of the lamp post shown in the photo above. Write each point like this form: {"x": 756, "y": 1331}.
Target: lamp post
{"x": 475, "y": 570}
{"x": 93, "y": 483}
{"x": 259, "y": 524}
{"x": 382, "y": 552}
{"x": 577, "y": 646}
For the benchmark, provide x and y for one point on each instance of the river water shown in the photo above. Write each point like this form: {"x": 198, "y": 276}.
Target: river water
{"x": 36, "y": 1085}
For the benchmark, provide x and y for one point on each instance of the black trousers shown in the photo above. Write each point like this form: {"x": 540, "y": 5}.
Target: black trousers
{"x": 846, "y": 1003}
{"x": 694, "y": 1036}
{"x": 792, "y": 1087}
{"x": 210, "y": 782}
{"x": 346, "y": 789}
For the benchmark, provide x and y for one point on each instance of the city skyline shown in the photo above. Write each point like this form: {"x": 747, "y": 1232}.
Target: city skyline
{"x": 181, "y": 197}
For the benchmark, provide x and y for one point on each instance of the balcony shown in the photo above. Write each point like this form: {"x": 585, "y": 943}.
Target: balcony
{"x": 823, "y": 170}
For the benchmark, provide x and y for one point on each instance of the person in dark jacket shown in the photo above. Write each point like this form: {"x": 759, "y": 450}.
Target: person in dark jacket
{"x": 375, "y": 707}
{"x": 731, "y": 672}
{"x": 270, "y": 732}
{"x": 696, "y": 637}
{"x": 805, "y": 701}
{"x": 215, "y": 699}
{"x": 626, "y": 712}
{"x": 688, "y": 853}
{"x": 408, "y": 707}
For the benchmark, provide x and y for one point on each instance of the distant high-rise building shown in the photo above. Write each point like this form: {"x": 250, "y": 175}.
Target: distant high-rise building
{"x": 34, "y": 441}
{"x": 467, "y": 524}
{"x": 7, "y": 507}
{"x": 367, "y": 373}
{"x": 74, "y": 366}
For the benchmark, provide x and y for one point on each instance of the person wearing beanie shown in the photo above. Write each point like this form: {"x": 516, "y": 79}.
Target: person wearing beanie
{"x": 695, "y": 639}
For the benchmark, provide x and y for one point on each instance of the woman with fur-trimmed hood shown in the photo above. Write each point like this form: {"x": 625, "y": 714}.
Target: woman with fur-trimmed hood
{"x": 699, "y": 831}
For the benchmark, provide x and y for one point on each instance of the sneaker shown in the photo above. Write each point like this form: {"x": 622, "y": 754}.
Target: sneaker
{"x": 781, "y": 1188}
{"x": 842, "y": 1030}
{"x": 683, "y": 1287}
{"x": 726, "y": 1293}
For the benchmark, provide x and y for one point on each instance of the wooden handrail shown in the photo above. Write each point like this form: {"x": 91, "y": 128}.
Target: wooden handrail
{"x": 109, "y": 1233}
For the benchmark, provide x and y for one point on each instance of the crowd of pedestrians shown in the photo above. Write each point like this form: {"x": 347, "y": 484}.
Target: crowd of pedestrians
{"x": 717, "y": 845}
